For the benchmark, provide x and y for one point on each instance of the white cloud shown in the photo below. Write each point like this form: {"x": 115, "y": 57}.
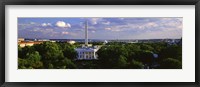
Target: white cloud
{"x": 112, "y": 29}
{"x": 32, "y": 23}
{"x": 93, "y": 31}
{"x": 62, "y": 24}
{"x": 108, "y": 28}
{"x": 106, "y": 23}
{"x": 95, "y": 20}
{"x": 172, "y": 24}
{"x": 46, "y": 24}
{"x": 65, "y": 33}
{"x": 116, "y": 30}
{"x": 180, "y": 27}
{"x": 151, "y": 24}
{"x": 68, "y": 33}
{"x": 121, "y": 18}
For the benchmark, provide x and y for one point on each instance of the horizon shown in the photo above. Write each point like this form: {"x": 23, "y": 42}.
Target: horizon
{"x": 103, "y": 39}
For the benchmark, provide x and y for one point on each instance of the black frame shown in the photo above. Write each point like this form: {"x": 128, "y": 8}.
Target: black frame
{"x": 99, "y": 2}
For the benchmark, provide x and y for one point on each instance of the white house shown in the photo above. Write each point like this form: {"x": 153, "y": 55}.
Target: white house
{"x": 86, "y": 53}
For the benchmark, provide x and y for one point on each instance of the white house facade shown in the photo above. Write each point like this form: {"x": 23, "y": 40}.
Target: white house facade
{"x": 86, "y": 53}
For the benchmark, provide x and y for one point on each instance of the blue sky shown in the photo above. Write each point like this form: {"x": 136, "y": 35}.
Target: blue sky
{"x": 101, "y": 28}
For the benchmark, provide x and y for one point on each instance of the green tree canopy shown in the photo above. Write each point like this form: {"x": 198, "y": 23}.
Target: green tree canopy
{"x": 170, "y": 63}
{"x": 173, "y": 51}
{"x": 51, "y": 54}
{"x": 136, "y": 65}
{"x": 33, "y": 60}
{"x": 110, "y": 56}
{"x": 69, "y": 51}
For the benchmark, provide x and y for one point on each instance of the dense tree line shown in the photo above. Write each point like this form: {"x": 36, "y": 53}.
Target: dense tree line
{"x": 47, "y": 55}
{"x": 140, "y": 55}
{"x": 113, "y": 55}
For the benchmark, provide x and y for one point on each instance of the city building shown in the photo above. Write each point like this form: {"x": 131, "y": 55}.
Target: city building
{"x": 28, "y": 43}
{"x": 20, "y": 39}
{"x": 71, "y": 42}
{"x": 87, "y": 52}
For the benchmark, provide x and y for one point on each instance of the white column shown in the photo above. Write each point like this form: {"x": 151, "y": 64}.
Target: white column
{"x": 84, "y": 55}
{"x": 91, "y": 55}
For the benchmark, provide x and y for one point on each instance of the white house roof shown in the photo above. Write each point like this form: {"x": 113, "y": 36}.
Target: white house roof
{"x": 84, "y": 49}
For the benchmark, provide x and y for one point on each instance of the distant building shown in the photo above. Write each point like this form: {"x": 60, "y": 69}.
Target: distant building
{"x": 174, "y": 42}
{"x": 105, "y": 42}
{"x": 20, "y": 39}
{"x": 88, "y": 45}
{"x": 71, "y": 42}
{"x": 86, "y": 52}
{"x": 133, "y": 41}
{"x": 53, "y": 41}
{"x": 41, "y": 40}
{"x": 28, "y": 43}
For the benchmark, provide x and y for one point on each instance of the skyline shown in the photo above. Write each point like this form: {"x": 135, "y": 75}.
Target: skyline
{"x": 101, "y": 28}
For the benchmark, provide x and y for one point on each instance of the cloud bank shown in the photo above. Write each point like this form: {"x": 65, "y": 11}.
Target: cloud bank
{"x": 101, "y": 28}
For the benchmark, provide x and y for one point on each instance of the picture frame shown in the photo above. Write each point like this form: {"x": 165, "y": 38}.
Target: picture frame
{"x": 98, "y": 2}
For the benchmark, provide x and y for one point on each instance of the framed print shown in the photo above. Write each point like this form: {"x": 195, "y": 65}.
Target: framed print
{"x": 100, "y": 43}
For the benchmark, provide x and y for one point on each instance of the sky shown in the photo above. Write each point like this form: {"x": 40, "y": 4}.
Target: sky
{"x": 101, "y": 28}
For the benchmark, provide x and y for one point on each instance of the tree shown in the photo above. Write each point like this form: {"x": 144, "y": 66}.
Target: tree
{"x": 172, "y": 51}
{"x": 69, "y": 51}
{"x": 136, "y": 65}
{"x": 33, "y": 60}
{"x": 33, "y": 57}
{"x": 22, "y": 63}
{"x": 20, "y": 53}
{"x": 122, "y": 62}
{"x": 158, "y": 46}
{"x": 23, "y": 51}
{"x": 51, "y": 54}
{"x": 68, "y": 64}
{"x": 133, "y": 50}
{"x": 146, "y": 57}
{"x": 87, "y": 64}
{"x": 110, "y": 56}
{"x": 37, "y": 65}
{"x": 146, "y": 47}
{"x": 50, "y": 66}
{"x": 170, "y": 63}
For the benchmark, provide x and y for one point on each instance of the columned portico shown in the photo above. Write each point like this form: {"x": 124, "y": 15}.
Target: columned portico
{"x": 86, "y": 53}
